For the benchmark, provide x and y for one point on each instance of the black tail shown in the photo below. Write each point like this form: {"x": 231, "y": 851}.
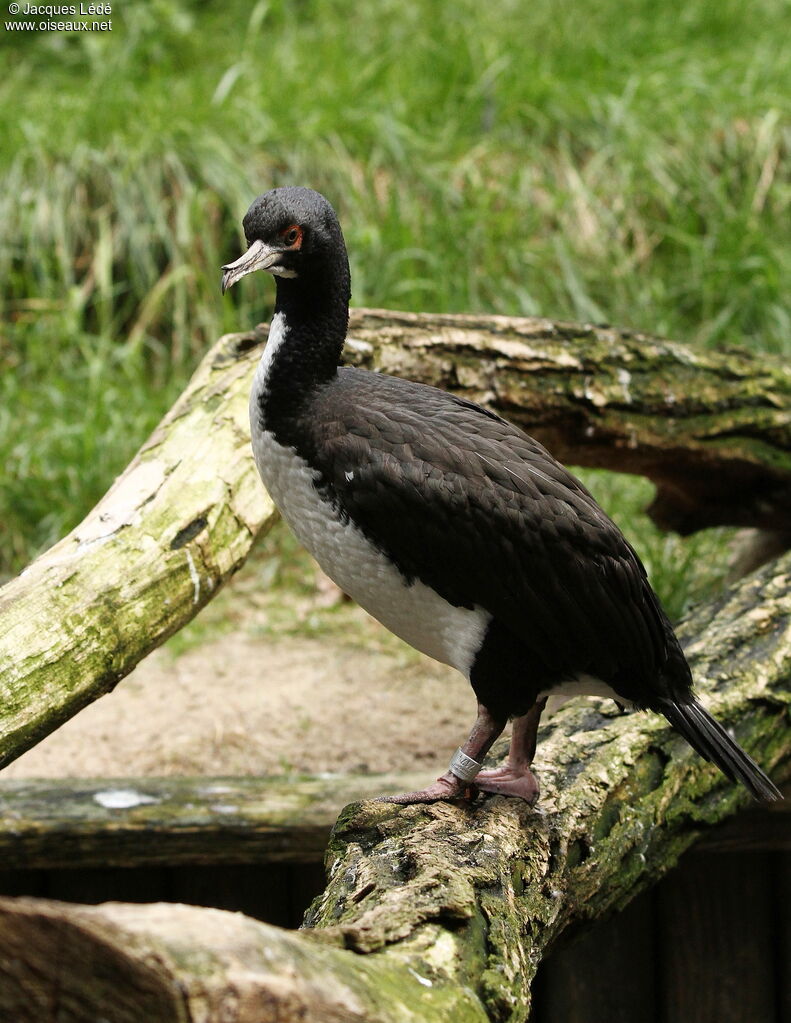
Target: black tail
{"x": 709, "y": 738}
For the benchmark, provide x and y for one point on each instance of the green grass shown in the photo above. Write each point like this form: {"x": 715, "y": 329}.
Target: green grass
{"x": 621, "y": 161}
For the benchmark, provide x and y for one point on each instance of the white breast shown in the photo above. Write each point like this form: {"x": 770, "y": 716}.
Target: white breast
{"x": 414, "y": 612}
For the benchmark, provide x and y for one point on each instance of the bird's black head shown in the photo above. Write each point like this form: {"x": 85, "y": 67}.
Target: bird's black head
{"x": 292, "y": 233}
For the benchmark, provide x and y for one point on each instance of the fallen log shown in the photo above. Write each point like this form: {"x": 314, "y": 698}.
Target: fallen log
{"x": 713, "y": 431}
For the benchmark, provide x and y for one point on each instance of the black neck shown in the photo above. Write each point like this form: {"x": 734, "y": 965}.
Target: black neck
{"x": 315, "y": 308}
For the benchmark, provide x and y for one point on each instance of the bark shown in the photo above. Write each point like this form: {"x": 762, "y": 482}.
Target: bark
{"x": 439, "y": 911}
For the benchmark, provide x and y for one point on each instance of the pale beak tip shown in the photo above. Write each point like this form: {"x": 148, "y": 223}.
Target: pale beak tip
{"x": 258, "y": 256}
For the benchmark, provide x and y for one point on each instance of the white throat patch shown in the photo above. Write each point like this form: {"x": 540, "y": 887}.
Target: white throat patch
{"x": 278, "y": 332}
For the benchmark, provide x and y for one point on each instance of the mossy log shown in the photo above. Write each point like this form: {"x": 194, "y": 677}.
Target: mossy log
{"x": 437, "y": 911}
{"x": 173, "y": 527}
{"x": 151, "y": 822}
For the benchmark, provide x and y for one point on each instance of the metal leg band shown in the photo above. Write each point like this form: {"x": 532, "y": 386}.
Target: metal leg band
{"x": 464, "y": 767}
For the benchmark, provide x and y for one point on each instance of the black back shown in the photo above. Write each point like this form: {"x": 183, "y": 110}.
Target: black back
{"x": 470, "y": 505}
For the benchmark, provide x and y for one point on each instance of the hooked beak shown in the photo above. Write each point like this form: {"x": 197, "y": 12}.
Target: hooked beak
{"x": 258, "y": 257}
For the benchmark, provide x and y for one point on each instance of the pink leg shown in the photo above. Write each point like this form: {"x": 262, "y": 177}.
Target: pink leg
{"x": 515, "y": 778}
{"x": 484, "y": 732}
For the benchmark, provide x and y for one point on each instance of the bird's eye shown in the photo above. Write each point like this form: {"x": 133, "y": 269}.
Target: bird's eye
{"x": 292, "y": 236}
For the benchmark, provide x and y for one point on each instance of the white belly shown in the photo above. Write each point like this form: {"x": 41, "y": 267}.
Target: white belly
{"x": 414, "y": 612}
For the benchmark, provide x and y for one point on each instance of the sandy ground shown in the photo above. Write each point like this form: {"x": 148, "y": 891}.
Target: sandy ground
{"x": 268, "y": 680}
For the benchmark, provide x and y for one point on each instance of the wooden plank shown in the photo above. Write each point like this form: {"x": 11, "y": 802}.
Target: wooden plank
{"x": 24, "y": 882}
{"x": 277, "y": 893}
{"x": 147, "y": 822}
{"x": 136, "y": 822}
{"x": 307, "y": 882}
{"x": 103, "y": 884}
{"x": 606, "y": 975}
{"x": 716, "y": 939}
{"x": 258, "y": 890}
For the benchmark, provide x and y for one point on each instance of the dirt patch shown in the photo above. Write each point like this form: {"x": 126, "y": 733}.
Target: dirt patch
{"x": 248, "y": 690}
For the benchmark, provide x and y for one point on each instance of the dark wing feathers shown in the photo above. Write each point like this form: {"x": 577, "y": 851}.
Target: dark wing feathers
{"x": 472, "y": 506}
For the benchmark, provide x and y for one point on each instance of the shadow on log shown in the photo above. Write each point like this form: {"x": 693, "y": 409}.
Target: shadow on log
{"x": 431, "y": 911}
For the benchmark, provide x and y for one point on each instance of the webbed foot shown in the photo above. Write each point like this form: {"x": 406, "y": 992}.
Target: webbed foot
{"x": 509, "y": 780}
{"x": 447, "y": 787}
